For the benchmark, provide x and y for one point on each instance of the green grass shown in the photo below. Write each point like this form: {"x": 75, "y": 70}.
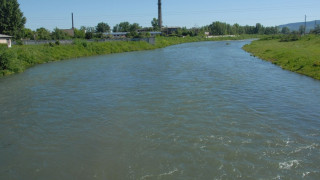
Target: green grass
{"x": 301, "y": 56}
{"x": 18, "y": 58}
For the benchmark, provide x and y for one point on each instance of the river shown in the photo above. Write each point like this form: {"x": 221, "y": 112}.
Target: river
{"x": 205, "y": 110}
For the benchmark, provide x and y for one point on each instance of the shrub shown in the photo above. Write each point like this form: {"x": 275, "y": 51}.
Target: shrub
{"x": 57, "y": 42}
{"x": 9, "y": 61}
{"x": 51, "y": 44}
{"x": 290, "y": 37}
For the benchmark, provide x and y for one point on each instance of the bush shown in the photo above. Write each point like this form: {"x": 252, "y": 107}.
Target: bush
{"x": 290, "y": 37}
{"x": 19, "y": 42}
{"x": 80, "y": 42}
{"x": 57, "y": 42}
{"x": 51, "y": 44}
{"x": 9, "y": 61}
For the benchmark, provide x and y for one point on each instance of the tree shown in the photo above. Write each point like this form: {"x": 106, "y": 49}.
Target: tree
{"x": 43, "y": 34}
{"x": 12, "y": 20}
{"x": 316, "y": 30}
{"x": 155, "y": 24}
{"x": 259, "y": 29}
{"x": 218, "y": 28}
{"x": 28, "y": 34}
{"x": 301, "y": 29}
{"x": 102, "y": 27}
{"x": 134, "y": 27}
{"x": 80, "y": 33}
{"x": 122, "y": 27}
{"x": 285, "y": 30}
{"x": 58, "y": 34}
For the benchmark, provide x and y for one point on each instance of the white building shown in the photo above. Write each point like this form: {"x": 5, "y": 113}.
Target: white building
{"x": 5, "y": 39}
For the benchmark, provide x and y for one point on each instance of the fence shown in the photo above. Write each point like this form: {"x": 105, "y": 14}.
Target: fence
{"x": 150, "y": 40}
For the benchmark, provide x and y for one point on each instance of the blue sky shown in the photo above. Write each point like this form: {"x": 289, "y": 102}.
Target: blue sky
{"x": 189, "y": 13}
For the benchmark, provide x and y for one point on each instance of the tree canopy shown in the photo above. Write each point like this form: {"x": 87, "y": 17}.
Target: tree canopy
{"x": 126, "y": 27}
{"x": 102, "y": 27}
{"x": 12, "y": 20}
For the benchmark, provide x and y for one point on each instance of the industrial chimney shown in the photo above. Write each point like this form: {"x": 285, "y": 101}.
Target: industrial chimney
{"x": 159, "y": 14}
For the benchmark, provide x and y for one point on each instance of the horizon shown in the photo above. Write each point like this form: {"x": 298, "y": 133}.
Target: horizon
{"x": 182, "y": 13}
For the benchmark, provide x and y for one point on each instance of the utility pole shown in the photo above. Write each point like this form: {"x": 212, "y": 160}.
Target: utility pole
{"x": 159, "y": 14}
{"x": 305, "y": 24}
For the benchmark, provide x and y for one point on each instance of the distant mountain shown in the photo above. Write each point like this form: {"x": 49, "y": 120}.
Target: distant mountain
{"x": 296, "y": 26}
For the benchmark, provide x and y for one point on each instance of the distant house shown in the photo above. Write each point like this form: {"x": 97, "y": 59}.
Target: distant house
{"x": 117, "y": 34}
{"x": 170, "y": 30}
{"x": 5, "y": 39}
{"x": 70, "y": 32}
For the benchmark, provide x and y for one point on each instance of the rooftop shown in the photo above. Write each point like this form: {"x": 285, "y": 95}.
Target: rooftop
{"x": 5, "y": 36}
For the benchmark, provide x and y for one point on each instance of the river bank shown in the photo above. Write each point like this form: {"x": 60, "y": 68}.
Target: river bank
{"x": 18, "y": 58}
{"x": 301, "y": 56}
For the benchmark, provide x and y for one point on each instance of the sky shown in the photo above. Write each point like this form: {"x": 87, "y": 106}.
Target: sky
{"x": 184, "y": 13}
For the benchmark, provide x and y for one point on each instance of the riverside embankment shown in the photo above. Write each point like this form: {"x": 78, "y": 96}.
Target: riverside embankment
{"x": 300, "y": 56}
{"x": 19, "y": 58}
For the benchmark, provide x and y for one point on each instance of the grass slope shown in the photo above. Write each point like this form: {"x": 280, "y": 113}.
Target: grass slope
{"x": 302, "y": 56}
{"x": 19, "y": 58}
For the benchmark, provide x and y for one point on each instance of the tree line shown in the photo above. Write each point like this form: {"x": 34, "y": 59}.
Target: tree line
{"x": 12, "y": 23}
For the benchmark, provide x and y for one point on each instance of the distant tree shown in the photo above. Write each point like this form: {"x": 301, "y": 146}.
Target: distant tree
{"x": 271, "y": 30}
{"x": 218, "y": 28}
{"x": 80, "y": 33}
{"x": 302, "y": 29}
{"x": 88, "y": 29}
{"x": 134, "y": 27}
{"x": 12, "y": 20}
{"x": 89, "y": 35}
{"x": 102, "y": 27}
{"x": 316, "y": 30}
{"x": 58, "y": 34}
{"x": 285, "y": 30}
{"x": 122, "y": 27}
{"x": 259, "y": 29}
{"x": 28, "y": 34}
{"x": 43, "y": 34}
{"x": 155, "y": 24}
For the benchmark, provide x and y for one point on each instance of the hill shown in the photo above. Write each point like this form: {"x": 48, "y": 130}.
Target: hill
{"x": 296, "y": 26}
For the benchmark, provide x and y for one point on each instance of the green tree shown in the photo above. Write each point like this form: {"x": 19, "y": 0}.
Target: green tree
{"x": 12, "y": 20}
{"x": 134, "y": 27}
{"x": 259, "y": 29}
{"x": 102, "y": 27}
{"x": 28, "y": 34}
{"x": 316, "y": 30}
{"x": 302, "y": 29}
{"x": 122, "y": 27}
{"x": 155, "y": 24}
{"x": 285, "y": 30}
{"x": 43, "y": 34}
{"x": 218, "y": 28}
{"x": 58, "y": 34}
{"x": 79, "y": 33}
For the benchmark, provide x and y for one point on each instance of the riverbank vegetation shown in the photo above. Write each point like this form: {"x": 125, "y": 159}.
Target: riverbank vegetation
{"x": 20, "y": 57}
{"x": 295, "y": 53}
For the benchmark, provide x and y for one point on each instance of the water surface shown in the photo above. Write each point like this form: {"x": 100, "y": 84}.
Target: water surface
{"x": 203, "y": 110}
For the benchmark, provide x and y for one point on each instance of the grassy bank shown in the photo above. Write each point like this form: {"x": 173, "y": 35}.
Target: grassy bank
{"x": 19, "y": 58}
{"x": 301, "y": 56}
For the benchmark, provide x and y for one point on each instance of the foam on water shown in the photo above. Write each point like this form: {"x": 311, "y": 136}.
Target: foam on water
{"x": 289, "y": 164}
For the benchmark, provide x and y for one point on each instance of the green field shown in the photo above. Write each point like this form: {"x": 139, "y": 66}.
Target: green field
{"x": 301, "y": 56}
{"x": 20, "y": 57}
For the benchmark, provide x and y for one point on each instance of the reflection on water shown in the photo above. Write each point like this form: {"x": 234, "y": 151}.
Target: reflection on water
{"x": 194, "y": 111}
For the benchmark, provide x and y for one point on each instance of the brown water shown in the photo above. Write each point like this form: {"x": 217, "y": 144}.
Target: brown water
{"x": 193, "y": 111}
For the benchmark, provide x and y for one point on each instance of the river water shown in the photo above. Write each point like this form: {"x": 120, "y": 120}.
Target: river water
{"x": 204, "y": 110}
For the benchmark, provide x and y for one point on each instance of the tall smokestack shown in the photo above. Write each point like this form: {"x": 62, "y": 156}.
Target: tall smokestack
{"x": 159, "y": 14}
{"x": 72, "y": 21}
